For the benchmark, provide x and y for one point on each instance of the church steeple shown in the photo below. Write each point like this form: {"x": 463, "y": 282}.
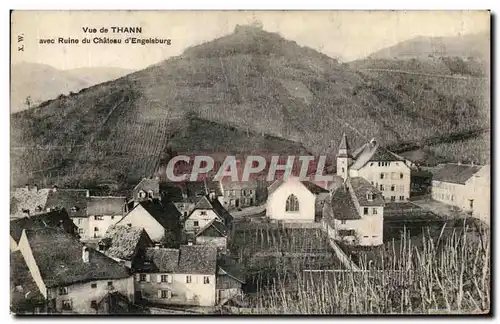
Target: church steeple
{"x": 344, "y": 158}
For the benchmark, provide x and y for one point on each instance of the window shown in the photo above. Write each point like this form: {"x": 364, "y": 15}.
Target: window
{"x": 112, "y": 216}
{"x": 142, "y": 277}
{"x": 79, "y": 221}
{"x": 365, "y": 211}
{"x": 63, "y": 290}
{"x": 393, "y": 188}
{"x": 93, "y": 285}
{"x": 401, "y": 176}
{"x": 206, "y": 280}
{"x": 372, "y": 183}
{"x": 164, "y": 278}
{"x": 96, "y": 229}
{"x": 366, "y": 236}
{"x": 93, "y": 304}
{"x": 371, "y": 164}
{"x": 374, "y": 211}
{"x": 244, "y": 192}
{"x": 401, "y": 197}
{"x": 231, "y": 202}
{"x": 203, "y": 213}
{"x": 343, "y": 222}
{"x": 343, "y": 170}
{"x": 250, "y": 192}
{"x": 393, "y": 198}
{"x": 349, "y": 232}
{"x": 150, "y": 194}
{"x": 67, "y": 304}
{"x": 381, "y": 176}
{"x": 196, "y": 223}
{"x": 74, "y": 209}
{"x": 381, "y": 187}
{"x": 142, "y": 194}
{"x": 370, "y": 196}
{"x": 164, "y": 294}
{"x": 80, "y": 231}
{"x": 471, "y": 203}
{"x": 188, "y": 279}
{"x": 292, "y": 204}
{"x": 110, "y": 283}
{"x": 98, "y": 217}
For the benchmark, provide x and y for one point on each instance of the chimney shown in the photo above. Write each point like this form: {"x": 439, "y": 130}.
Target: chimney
{"x": 85, "y": 254}
{"x": 54, "y": 188}
{"x": 27, "y": 186}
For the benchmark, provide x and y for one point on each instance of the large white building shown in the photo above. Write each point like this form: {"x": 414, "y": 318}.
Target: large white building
{"x": 464, "y": 186}
{"x": 388, "y": 172}
{"x": 295, "y": 201}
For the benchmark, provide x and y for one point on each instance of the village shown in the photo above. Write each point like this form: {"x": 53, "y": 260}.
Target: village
{"x": 203, "y": 246}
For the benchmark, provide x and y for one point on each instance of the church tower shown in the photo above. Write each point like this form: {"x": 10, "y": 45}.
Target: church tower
{"x": 344, "y": 158}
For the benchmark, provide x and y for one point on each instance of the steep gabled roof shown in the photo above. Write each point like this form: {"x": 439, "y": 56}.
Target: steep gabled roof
{"x": 372, "y": 152}
{"x": 22, "y": 284}
{"x": 343, "y": 207}
{"x": 213, "y": 204}
{"x": 455, "y": 173}
{"x": 58, "y": 256}
{"x": 26, "y": 198}
{"x": 105, "y": 205}
{"x": 312, "y": 187}
{"x": 197, "y": 259}
{"x": 229, "y": 266}
{"x": 67, "y": 199}
{"x": 362, "y": 188}
{"x": 50, "y": 219}
{"x": 159, "y": 260}
{"x": 166, "y": 214}
{"x": 147, "y": 184}
{"x": 122, "y": 241}
{"x": 219, "y": 228}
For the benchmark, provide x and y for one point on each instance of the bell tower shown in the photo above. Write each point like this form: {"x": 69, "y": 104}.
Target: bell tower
{"x": 344, "y": 158}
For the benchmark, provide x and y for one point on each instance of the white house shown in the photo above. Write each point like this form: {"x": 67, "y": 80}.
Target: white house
{"x": 103, "y": 212}
{"x": 464, "y": 186}
{"x": 205, "y": 211}
{"x": 295, "y": 201}
{"x": 387, "y": 171}
{"x": 160, "y": 220}
{"x": 72, "y": 277}
{"x": 185, "y": 276}
{"x": 355, "y": 214}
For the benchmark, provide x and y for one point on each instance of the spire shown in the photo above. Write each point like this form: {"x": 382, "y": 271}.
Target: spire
{"x": 344, "y": 145}
{"x": 344, "y": 149}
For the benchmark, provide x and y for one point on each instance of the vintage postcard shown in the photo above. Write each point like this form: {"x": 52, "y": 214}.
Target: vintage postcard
{"x": 244, "y": 163}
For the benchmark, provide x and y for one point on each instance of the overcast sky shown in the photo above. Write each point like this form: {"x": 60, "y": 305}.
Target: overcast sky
{"x": 347, "y": 35}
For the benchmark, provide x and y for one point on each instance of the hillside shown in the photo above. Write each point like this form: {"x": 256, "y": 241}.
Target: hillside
{"x": 475, "y": 46}
{"x": 246, "y": 84}
{"x": 43, "y": 82}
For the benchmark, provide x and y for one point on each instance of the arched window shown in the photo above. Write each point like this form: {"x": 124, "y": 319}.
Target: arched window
{"x": 292, "y": 204}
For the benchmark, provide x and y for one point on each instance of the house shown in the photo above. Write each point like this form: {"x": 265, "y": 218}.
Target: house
{"x": 177, "y": 194}
{"x": 159, "y": 220}
{"x": 27, "y": 201}
{"x": 56, "y": 218}
{"x": 103, "y": 212}
{"x": 214, "y": 233}
{"x": 25, "y": 296}
{"x": 295, "y": 201}
{"x": 240, "y": 194}
{"x": 185, "y": 276}
{"x": 124, "y": 243}
{"x": 387, "y": 171}
{"x": 464, "y": 186}
{"x": 146, "y": 189}
{"x": 72, "y": 277}
{"x": 206, "y": 210}
{"x": 74, "y": 201}
{"x": 355, "y": 214}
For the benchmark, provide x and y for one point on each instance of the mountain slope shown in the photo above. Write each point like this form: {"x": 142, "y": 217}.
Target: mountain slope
{"x": 43, "y": 82}
{"x": 464, "y": 46}
{"x": 244, "y": 85}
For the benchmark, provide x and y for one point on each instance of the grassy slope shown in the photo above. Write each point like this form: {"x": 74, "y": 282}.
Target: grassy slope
{"x": 253, "y": 82}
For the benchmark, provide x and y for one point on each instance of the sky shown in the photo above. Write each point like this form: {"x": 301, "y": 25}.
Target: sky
{"x": 347, "y": 35}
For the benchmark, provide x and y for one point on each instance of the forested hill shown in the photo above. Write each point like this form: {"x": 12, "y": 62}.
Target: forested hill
{"x": 250, "y": 91}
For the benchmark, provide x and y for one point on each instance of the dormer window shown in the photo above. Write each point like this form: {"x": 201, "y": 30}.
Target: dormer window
{"x": 370, "y": 196}
{"x": 150, "y": 194}
{"x": 74, "y": 209}
{"x": 142, "y": 194}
